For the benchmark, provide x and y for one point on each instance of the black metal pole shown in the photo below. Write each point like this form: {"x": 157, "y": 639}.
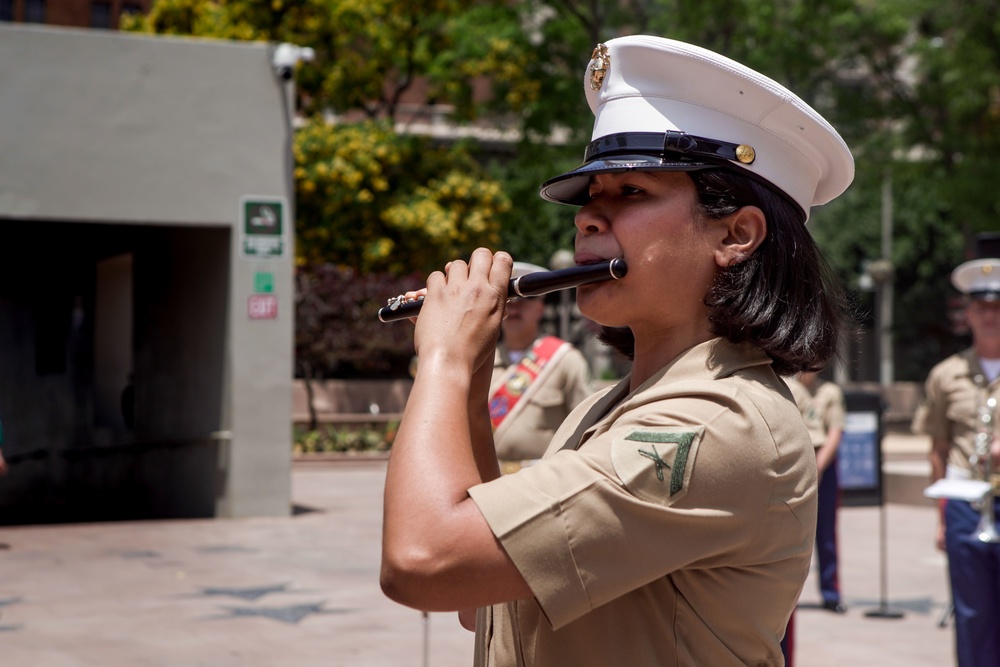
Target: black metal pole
{"x": 883, "y": 610}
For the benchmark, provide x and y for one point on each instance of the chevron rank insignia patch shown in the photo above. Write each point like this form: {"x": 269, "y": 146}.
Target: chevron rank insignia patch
{"x": 655, "y": 463}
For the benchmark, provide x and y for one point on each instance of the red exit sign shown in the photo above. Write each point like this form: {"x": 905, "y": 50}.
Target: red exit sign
{"x": 262, "y": 307}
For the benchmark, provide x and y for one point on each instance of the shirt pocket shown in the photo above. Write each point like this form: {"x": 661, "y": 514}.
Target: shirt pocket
{"x": 550, "y": 406}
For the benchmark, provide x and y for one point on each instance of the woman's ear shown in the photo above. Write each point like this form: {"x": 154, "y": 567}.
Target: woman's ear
{"x": 745, "y": 231}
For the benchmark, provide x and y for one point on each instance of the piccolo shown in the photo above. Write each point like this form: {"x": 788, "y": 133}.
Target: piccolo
{"x": 530, "y": 284}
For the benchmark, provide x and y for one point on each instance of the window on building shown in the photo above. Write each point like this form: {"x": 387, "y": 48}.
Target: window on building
{"x": 131, "y": 8}
{"x": 6, "y": 10}
{"x": 100, "y": 14}
{"x": 34, "y": 11}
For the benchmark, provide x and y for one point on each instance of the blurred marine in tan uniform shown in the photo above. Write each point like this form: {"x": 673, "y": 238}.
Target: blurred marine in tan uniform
{"x": 823, "y": 410}
{"x": 956, "y": 395}
{"x": 537, "y": 381}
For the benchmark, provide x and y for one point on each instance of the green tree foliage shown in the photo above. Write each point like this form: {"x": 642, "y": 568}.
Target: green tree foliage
{"x": 929, "y": 128}
{"x": 372, "y": 204}
{"x": 953, "y": 106}
{"x": 368, "y": 197}
{"x": 913, "y": 85}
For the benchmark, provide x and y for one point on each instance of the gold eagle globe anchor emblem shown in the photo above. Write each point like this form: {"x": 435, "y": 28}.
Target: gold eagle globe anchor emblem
{"x": 600, "y": 61}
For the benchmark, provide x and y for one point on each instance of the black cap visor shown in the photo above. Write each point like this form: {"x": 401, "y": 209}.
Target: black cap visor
{"x": 573, "y": 187}
{"x": 640, "y": 151}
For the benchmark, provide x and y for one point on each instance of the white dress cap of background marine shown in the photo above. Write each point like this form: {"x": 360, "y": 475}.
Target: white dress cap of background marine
{"x": 524, "y": 268}
{"x": 664, "y": 105}
{"x": 978, "y": 279}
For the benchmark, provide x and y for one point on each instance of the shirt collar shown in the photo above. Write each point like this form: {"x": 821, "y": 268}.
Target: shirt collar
{"x": 718, "y": 356}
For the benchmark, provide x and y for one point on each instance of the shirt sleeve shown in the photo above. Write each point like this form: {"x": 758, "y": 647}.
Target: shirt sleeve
{"x": 836, "y": 408}
{"x": 931, "y": 417}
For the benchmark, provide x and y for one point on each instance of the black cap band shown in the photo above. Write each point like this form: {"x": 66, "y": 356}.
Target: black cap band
{"x": 984, "y": 295}
{"x": 678, "y": 145}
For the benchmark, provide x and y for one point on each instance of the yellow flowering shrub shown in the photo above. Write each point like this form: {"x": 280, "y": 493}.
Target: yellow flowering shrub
{"x": 378, "y": 201}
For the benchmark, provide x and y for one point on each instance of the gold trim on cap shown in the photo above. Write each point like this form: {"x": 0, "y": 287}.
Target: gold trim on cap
{"x": 600, "y": 61}
{"x": 988, "y": 268}
{"x": 745, "y": 154}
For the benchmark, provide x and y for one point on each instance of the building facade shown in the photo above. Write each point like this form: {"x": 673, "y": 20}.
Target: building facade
{"x": 146, "y": 299}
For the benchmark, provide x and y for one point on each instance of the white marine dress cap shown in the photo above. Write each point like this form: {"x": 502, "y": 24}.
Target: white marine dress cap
{"x": 664, "y": 105}
{"x": 524, "y": 268}
{"x": 979, "y": 279}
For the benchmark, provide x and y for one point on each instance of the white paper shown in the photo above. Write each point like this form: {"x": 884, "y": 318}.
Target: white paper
{"x": 970, "y": 490}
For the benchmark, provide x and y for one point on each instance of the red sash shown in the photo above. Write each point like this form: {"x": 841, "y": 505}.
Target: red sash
{"x": 528, "y": 369}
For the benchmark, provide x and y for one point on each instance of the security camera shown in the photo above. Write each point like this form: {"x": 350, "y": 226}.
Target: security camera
{"x": 286, "y": 56}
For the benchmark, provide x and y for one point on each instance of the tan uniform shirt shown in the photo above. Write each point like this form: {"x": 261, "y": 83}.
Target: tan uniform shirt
{"x": 563, "y": 384}
{"x": 952, "y": 398}
{"x": 822, "y": 411}
{"x": 670, "y": 526}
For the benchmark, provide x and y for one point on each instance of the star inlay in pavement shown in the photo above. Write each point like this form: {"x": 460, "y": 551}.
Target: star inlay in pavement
{"x": 226, "y": 549}
{"x": 291, "y": 614}
{"x": 253, "y": 593}
{"x": 3, "y": 603}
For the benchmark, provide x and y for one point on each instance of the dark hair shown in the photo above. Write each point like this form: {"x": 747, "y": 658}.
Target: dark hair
{"x": 783, "y": 298}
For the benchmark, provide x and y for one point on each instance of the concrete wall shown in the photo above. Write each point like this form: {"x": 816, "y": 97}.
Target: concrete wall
{"x": 124, "y": 162}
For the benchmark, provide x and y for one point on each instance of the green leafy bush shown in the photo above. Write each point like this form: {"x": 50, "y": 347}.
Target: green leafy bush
{"x": 366, "y": 438}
